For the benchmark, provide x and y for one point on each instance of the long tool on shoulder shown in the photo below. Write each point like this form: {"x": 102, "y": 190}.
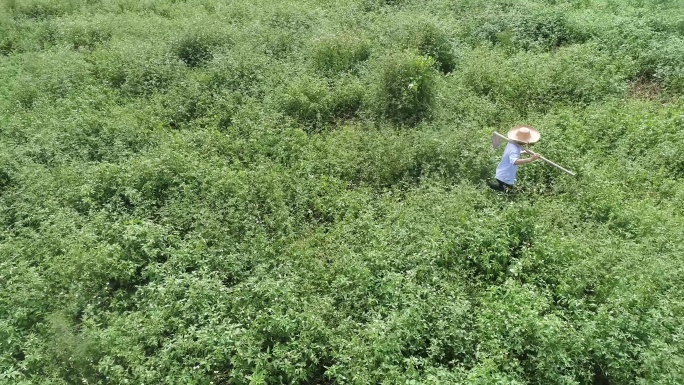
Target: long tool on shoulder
{"x": 496, "y": 142}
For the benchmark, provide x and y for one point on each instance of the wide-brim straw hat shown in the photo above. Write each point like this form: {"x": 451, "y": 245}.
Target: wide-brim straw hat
{"x": 524, "y": 134}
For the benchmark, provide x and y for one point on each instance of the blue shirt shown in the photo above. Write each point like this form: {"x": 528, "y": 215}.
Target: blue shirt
{"x": 506, "y": 170}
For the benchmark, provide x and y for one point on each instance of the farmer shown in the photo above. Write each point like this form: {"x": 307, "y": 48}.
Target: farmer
{"x": 508, "y": 167}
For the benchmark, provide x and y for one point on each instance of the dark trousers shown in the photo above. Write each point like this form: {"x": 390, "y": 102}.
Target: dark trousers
{"x": 500, "y": 186}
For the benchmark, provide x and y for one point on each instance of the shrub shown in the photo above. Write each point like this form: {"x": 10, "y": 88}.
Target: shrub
{"x": 49, "y": 76}
{"x": 517, "y": 326}
{"x": 375, "y": 5}
{"x": 315, "y": 103}
{"x": 7, "y": 44}
{"x": 87, "y": 36}
{"x": 292, "y": 17}
{"x": 664, "y": 61}
{"x": 134, "y": 69}
{"x": 621, "y": 36}
{"x": 240, "y": 70}
{"x": 339, "y": 53}
{"x": 545, "y": 30}
{"x": 9, "y": 36}
{"x": 307, "y": 101}
{"x": 17, "y": 35}
{"x": 25, "y": 93}
{"x": 92, "y": 137}
{"x": 195, "y": 48}
{"x": 8, "y": 169}
{"x": 46, "y": 36}
{"x": 433, "y": 42}
{"x": 287, "y": 24}
{"x": 75, "y": 352}
{"x": 346, "y": 97}
{"x": 444, "y": 154}
{"x": 38, "y": 9}
{"x": 279, "y": 44}
{"x": 387, "y": 160}
{"x": 405, "y": 88}
{"x": 528, "y": 82}
{"x": 190, "y": 102}
{"x": 184, "y": 103}
{"x": 523, "y": 27}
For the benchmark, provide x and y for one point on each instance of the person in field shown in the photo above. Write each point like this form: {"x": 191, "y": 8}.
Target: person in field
{"x": 508, "y": 167}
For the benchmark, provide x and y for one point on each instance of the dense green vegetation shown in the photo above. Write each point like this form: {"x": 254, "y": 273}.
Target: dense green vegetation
{"x": 281, "y": 192}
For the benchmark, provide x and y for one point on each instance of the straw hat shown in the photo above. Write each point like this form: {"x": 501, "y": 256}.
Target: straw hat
{"x": 524, "y": 134}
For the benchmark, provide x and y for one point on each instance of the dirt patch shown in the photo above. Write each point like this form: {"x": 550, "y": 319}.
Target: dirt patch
{"x": 645, "y": 88}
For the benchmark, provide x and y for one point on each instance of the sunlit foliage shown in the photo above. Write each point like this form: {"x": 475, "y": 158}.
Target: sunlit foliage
{"x": 294, "y": 192}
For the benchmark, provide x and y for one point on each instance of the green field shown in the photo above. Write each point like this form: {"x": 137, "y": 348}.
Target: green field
{"x": 295, "y": 192}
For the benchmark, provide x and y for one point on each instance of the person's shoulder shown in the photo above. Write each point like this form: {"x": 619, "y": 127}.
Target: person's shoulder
{"x": 512, "y": 147}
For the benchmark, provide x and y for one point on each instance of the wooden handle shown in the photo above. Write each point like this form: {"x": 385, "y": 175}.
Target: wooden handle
{"x": 540, "y": 157}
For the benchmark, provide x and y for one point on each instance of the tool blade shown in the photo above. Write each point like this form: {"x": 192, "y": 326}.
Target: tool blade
{"x": 496, "y": 141}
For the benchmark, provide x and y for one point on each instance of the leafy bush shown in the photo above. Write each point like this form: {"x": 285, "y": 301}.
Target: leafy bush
{"x": 135, "y": 70}
{"x": 10, "y": 36}
{"x": 529, "y": 84}
{"x": 190, "y": 102}
{"x": 524, "y": 344}
{"x": 287, "y": 25}
{"x": 8, "y": 171}
{"x": 313, "y": 102}
{"x": 75, "y": 352}
{"x": 239, "y": 70}
{"x": 38, "y": 9}
{"x": 26, "y": 95}
{"x": 387, "y": 158}
{"x": 523, "y": 27}
{"x": 195, "y": 48}
{"x": 17, "y": 35}
{"x": 46, "y": 36}
{"x": 87, "y": 36}
{"x": 405, "y": 85}
{"x": 279, "y": 44}
{"x": 93, "y": 138}
{"x": 491, "y": 250}
{"x": 430, "y": 41}
{"x": 663, "y": 62}
{"x": 339, "y": 53}
{"x": 346, "y": 98}
{"x": 307, "y": 101}
{"x": 545, "y": 31}
{"x": 375, "y": 5}
{"x": 57, "y": 75}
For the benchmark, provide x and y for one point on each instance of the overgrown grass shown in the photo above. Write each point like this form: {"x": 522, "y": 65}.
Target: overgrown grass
{"x": 295, "y": 192}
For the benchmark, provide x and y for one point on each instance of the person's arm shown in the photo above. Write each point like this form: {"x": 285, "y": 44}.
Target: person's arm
{"x": 526, "y": 160}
